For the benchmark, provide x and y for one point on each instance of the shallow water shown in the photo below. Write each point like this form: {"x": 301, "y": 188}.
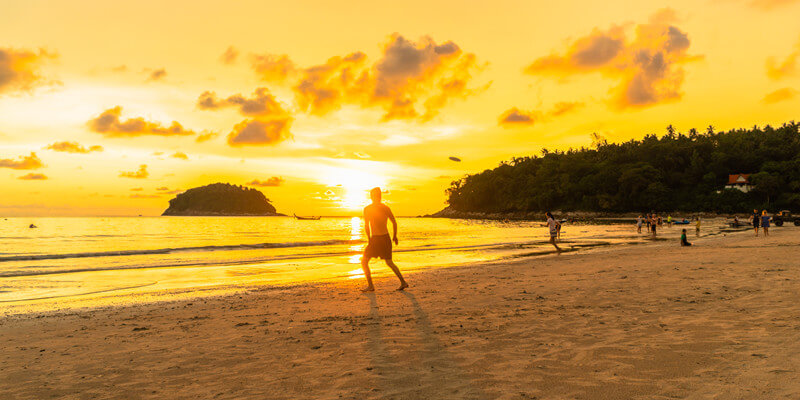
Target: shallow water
{"x": 66, "y": 262}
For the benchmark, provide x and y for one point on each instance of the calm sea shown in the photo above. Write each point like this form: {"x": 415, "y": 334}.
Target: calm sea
{"x": 76, "y": 262}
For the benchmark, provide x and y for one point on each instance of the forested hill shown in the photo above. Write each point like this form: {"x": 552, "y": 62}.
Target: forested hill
{"x": 220, "y": 199}
{"x": 679, "y": 171}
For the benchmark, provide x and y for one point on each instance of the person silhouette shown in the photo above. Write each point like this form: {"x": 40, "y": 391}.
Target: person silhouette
{"x": 379, "y": 245}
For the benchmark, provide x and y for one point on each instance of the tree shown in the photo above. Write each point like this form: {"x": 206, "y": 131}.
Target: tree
{"x": 673, "y": 172}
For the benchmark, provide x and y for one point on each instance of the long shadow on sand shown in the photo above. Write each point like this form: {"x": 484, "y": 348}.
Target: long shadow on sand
{"x": 426, "y": 371}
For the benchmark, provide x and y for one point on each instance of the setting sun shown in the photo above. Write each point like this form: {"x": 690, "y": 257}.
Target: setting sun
{"x": 352, "y": 186}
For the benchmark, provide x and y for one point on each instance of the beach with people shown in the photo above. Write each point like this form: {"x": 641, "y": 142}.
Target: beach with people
{"x": 652, "y": 320}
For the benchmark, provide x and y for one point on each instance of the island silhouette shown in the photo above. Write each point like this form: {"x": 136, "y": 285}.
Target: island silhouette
{"x": 221, "y": 199}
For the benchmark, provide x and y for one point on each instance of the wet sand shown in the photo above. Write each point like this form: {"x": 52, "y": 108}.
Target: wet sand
{"x": 656, "y": 321}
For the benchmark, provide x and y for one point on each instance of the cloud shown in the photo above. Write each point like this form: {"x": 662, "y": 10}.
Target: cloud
{"x": 144, "y": 196}
{"x": 139, "y": 174}
{"x": 779, "y": 95}
{"x": 109, "y": 124}
{"x": 271, "y": 124}
{"x": 120, "y": 68}
{"x": 20, "y": 69}
{"x": 137, "y": 189}
{"x": 206, "y": 136}
{"x": 33, "y": 177}
{"x": 229, "y": 56}
{"x": 324, "y": 88}
{"x": 515, "y": 116}
{"x": 260, "y": 132}
{"x": 73, "y": 147}
{"x": 156, "y": 74}
{"x": 271, "y": 182}
{"x": 261, "y": 104}
{"x": 23, "y": 162}
{"x": 565, "y": 107}
{"x": 272, "y": 68}
{"x": 787, "y": 68}
{"x": 648, "y": 67}
{"x": 165, "y": 190}
{"x": 411, "y": 80}
{"x": 180, "y": 156}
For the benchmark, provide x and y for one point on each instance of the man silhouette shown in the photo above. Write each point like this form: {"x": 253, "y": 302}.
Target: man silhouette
{"x": 379, "y": 246}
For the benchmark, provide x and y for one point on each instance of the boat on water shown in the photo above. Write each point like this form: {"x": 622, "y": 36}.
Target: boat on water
{"x": 306, "y": 218}
{"x": 684, "y": 222}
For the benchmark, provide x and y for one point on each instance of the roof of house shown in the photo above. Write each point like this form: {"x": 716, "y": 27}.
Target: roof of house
{"x": 739, "y": 179}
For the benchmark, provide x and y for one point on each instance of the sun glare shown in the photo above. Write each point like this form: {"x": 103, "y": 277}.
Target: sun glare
{"x": 352, "y": 187}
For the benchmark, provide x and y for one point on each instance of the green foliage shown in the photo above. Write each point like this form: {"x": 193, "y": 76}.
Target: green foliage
{"x": 220, "y": 199}
{"x": 674, "y": 172}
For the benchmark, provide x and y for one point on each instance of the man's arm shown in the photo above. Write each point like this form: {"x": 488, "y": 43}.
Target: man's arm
{"x": 394, "y": 225}
{"x": 366, "y": 224}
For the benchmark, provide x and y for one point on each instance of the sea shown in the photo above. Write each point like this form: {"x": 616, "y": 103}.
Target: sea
{"x": 67, "y": 263}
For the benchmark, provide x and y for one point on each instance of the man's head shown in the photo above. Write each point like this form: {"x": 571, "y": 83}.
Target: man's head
{"x": 375, "y": 195}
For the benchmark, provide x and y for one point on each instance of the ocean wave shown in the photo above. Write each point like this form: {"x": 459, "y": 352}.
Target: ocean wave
{"x": 168, "y": 250}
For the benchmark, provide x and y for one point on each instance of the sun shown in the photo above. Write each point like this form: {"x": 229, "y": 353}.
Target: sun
{"x": 352, "y": 186}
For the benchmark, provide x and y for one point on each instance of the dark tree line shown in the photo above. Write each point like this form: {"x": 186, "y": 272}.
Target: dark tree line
{"x": 222, "y": 199}
{"x": 678, "y": 171}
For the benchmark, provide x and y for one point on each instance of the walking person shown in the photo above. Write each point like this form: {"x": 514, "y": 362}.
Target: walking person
{"x": 697, "y": 227}
{"x": 756, "y": 220}
{"x": 379, "y": 245}
{"x": 765, "y": 222}
{"x": 639, "y": 224}
{"x": 552, "y": 224}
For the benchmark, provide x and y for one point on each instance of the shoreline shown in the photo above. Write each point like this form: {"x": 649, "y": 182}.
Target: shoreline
{"x": 155, "y": 292}
{"x": 654, "y": 320}
{"x": 576, "y": 215}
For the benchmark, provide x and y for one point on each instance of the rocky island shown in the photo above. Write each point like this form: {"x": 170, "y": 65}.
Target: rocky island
{"x": 221, "y": 199}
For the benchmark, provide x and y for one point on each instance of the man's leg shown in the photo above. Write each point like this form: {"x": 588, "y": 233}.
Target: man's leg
{"x": 367, "y": 274}
{"x": 553, "y": 242}
{"x": 403, "y": 283}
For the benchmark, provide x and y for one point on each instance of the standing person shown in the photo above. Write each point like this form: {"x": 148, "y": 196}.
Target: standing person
{"x": 639, "y": 224}
{"x": 765, "y": 222}
{"x": 697, "y": 227}
{"x": 552, "y": 224}
{"x": 669, "y": 221}
{"x": 756, "y": 220}
{"x": 647, "y": 219}
{"x": 379, "y": 245}
{"x": 684, "y": 242}
{"x": 558, "y": 230}
{"x": 654, "y": 224}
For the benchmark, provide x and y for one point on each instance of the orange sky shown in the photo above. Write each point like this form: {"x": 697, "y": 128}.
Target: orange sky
{"x": 318, "y": 101}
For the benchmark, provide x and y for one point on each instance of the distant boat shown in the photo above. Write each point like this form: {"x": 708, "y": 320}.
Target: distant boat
{"x": 456, "y": 159}
{"x": 32, "y": 226}
{"x": 306, "y": 218}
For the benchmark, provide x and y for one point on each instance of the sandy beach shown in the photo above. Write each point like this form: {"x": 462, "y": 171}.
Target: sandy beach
{"x": 717, "y": 320}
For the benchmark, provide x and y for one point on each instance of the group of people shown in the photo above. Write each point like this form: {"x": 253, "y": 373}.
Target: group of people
{"x": 379, "y": 243}
{"x": 760, "y": 220}
{"x": 653, "y": 221}
{"x": 377, "y": 215}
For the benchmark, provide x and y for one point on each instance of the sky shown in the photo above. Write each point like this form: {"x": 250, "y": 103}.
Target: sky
{"x": 113, "y": 108}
